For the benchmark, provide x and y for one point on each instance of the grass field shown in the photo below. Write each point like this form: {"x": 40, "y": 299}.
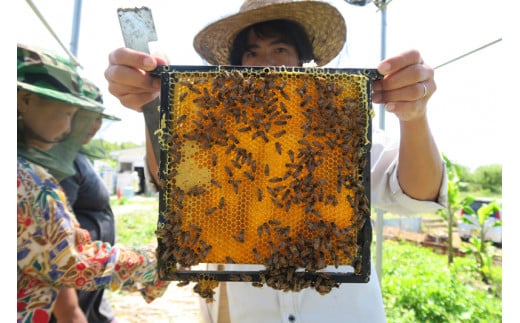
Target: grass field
{"x": 136, "y": 219}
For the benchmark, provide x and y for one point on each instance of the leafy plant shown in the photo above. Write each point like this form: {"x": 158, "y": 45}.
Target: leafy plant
{"x": 478, "y": 247}
{"x": 426, "y": 290}
{"x": 453, "y": 202}
{"x": 121, "y": 201}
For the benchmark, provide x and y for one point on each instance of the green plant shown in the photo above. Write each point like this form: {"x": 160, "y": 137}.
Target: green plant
{"x": 478, "y": 247}
{"x": 426, "y": 290}
{"x": 121, "y": 201}
{"x": 136, "y": 220}
{"x": 453, "y": 202}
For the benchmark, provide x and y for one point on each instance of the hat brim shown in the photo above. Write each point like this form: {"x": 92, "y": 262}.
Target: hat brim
{"x": 323, "y": 23}
{"x": 61, "y": 96}
{"x": 102, "y": 107}
{"x": 110, "y": 117}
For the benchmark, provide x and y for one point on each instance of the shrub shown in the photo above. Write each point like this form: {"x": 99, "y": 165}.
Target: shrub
{"x": 418, "y": 286}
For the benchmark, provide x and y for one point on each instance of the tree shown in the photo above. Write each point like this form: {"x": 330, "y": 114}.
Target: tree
{"x": 489, "y": 178}
{"x": 111, "y": 146}
{"x": 100, "y": 149}
{"x": 465, "y": 177}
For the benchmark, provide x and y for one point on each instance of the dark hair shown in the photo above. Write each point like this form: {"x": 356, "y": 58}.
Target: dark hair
{"x": 292, "y": 33}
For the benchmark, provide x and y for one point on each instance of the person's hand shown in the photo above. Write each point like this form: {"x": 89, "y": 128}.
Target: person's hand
{"x": 128, "y": 79}
{"x": 67, "y": 309}
{"x": 406, "y": 87}
{"x": 75, "y": 315}
{"x": 154, "y": 290}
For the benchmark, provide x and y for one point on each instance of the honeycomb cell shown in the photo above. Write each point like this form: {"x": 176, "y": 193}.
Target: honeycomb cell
{"x": 265, "y": 166}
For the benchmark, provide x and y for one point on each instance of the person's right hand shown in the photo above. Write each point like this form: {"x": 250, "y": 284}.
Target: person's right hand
{"x": 128, "y": 77}
{"x": 67, "y": 309}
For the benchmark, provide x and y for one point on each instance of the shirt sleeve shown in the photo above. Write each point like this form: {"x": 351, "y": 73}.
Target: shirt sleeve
{"x": 52, "y": 248}
{"x": 386, "y": 192}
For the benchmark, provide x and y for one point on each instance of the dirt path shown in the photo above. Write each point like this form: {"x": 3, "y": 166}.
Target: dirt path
{"x": 177, "y": 305}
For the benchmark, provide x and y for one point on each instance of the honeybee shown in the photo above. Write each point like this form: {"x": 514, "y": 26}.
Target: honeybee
{"x": 306, "y": 100}
{"x": 266, "y": 170}
{"x": 216, "y": 183}
{"x": 257, "y": 255}
{"x": 211, "y": 210}
{"x": 183, "y": 283}
{"x": 246, "y": 278}
{"x": 274, "y": 222}
{"x": 181, "y": 118}
{"x": 230, "y": 260}
{"x": 278, "y": 147}
{"x": 221, "y": 203}
{"x": 240, "y": 236}
{"x": 228, "y": 171}
{"x": 249, "y": 176}
{"x": 235, "y": 163}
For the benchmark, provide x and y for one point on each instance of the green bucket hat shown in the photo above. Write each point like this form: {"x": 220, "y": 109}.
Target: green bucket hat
{"x": 45, "y": 73}
{"x": 92, "y": 92}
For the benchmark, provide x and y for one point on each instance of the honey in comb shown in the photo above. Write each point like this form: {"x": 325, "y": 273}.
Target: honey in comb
{"x": 265, "y": 166}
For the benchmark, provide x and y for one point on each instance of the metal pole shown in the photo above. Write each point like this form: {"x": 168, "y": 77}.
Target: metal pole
{"x": 76, "y": 19}
{"x": 468, "y": 53}
{"x": 383, "y": 56}
{"x": 49, "y": 28}
{"x": 379, "y": 212}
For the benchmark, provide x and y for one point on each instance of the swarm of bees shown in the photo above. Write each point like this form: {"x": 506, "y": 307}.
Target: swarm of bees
{"x": 268, "y": 167}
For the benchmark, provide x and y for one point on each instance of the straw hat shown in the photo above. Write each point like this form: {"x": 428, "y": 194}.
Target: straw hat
{"x": 323, "y": 23}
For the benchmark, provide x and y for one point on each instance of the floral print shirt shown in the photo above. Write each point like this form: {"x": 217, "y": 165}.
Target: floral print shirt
{"x": 54, "y": 252}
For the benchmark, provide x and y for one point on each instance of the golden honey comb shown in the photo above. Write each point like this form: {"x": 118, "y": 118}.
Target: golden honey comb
{"x": 264, "y": 166}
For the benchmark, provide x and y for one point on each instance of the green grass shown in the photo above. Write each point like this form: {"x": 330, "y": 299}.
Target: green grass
{"x": 136, "y": 220}
{"x": 417, "y": 284}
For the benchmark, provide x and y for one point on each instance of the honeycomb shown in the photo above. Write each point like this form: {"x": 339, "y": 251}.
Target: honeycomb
{"x": 264, "y": 166}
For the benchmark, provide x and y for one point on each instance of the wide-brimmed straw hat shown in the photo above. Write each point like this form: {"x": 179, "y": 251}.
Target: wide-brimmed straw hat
{"x": 322, "y": 22}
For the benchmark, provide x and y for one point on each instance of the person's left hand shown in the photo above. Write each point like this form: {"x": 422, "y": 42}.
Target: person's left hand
{"x": 406, "y": 87}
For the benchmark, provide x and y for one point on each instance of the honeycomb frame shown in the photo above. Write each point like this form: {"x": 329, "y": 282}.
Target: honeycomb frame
{"x": 239, "y": 188}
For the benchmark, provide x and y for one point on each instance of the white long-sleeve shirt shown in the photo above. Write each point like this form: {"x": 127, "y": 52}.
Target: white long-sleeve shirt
{"x": 351, "y": 302}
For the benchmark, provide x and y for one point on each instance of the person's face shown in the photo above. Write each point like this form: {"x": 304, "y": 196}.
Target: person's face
{"x": 47, "y": 120}
{"x": 94, "y": 129}
{"x": 269, "y": 51}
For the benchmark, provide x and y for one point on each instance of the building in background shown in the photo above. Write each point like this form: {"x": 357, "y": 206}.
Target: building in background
{"x": 131, "y": 178}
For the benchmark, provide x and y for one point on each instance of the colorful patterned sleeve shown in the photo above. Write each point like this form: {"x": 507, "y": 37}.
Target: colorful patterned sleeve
{"x": 54, "y": 252}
